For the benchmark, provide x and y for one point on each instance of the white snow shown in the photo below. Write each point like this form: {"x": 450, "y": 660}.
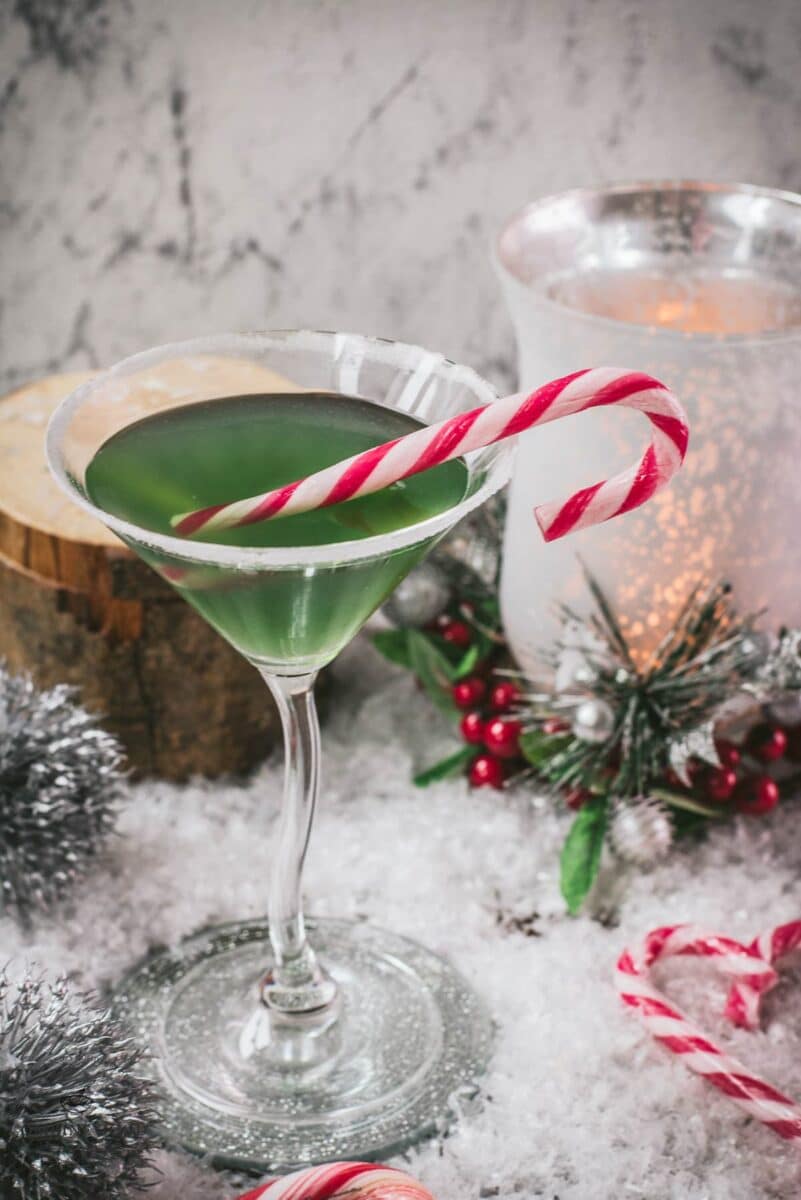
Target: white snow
{"x": 580, "y": 1105}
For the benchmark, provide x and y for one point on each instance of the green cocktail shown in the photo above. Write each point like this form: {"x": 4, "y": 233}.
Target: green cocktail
{"x": 272, "y": 1049}
{"x": 219, "y": 450}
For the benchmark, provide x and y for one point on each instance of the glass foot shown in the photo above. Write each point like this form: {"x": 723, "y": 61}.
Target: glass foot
{"x": 376, "y": 1071}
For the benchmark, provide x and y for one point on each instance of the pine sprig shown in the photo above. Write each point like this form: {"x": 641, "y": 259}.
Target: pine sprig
{"x": 706, "y": 656}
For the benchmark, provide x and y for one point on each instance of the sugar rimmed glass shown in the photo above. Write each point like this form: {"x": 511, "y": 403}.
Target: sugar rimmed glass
{"x": 274, "y": 1049}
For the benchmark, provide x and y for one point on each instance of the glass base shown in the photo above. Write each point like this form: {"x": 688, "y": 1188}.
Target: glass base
{"x": 380, "y": 1069}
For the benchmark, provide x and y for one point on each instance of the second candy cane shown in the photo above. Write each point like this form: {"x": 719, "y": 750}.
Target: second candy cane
{"x": 458, "y": 435}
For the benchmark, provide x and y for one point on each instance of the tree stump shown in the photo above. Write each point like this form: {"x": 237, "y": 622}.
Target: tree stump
{"x": 78, "y": 607}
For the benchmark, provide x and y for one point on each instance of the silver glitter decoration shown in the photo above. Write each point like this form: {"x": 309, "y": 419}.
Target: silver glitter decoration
{"x": 59, "y": 780}
{"x": 76, "y": 1120}
{"x": 641, "y": 831}
{"x": 699, "y": 744}
{"x": 593, "y": 721}
{"x": 418, "y": 598}
{"x": 780, "y": 670}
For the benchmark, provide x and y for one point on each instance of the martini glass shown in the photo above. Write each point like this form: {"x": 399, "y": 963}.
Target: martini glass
{"x": 282, "y": 1043}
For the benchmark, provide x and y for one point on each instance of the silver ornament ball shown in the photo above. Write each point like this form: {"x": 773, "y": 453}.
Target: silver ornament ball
{"x": 593, "y": 721}
{"x": 757, "y": 645}
{"x": 641, "y": 831}
{"x": 418, "y": 598}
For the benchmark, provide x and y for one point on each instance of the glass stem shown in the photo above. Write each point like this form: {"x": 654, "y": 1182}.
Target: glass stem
{"x": 296, "y": 983}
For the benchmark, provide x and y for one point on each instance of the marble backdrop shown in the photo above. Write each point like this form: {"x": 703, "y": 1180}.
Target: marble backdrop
{"x": 169, "y": 167}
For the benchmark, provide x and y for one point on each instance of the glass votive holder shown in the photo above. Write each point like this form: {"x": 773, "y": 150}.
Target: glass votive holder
{"x": 700, "y": 285}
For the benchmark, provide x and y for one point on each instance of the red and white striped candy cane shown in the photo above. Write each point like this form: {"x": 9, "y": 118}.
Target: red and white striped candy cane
{"x": 354, "y": 1180}
{"x": 752, "y": 970}
{"x": 742, "y": 1005}
{"x": 424, "y": 448}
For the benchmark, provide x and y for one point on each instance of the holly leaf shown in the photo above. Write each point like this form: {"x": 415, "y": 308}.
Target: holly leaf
{"x": 432, "y": 669}
{"x": 581, "y": 853}
{"x": 394, "y": 645}
{"x": 539, "y": 748}
{"x": 452, "y": 765}
{"x": 468, "y": 662}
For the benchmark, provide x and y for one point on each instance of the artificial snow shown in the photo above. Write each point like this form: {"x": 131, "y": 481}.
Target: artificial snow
{"x": 578, "y": 1104}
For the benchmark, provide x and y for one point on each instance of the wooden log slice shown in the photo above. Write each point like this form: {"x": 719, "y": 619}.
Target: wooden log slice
{"x": 76, "y": 606}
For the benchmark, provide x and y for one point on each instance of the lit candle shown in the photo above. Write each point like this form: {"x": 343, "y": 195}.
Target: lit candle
{"x": 701, "y": 286}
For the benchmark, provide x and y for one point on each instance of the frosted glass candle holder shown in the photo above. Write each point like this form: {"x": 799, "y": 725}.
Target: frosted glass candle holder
{"x": 699, "y": 284}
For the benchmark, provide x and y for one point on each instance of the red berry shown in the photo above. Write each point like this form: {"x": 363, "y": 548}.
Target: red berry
{"x": 772, "y": 746}
{"x": 728, "y": 753}
{"x": 502, "y": 737}
{"x": 721, "y": 784}
{"x": 554, "y": 725}
{"x": 759, "y": 796}
{"x": 576, "y": 798}
{"x": 472, "y": 727}
{"x": 486, "y": 771}
{"x": 457, "y": 633}
{"x": 504, "y": 695}
{"x": 467, "y": 692}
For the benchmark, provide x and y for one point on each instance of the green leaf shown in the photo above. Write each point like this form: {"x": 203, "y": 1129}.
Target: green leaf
{"x": 452, "y": 765}
{"x": 468, "y": 662}
{"x": 581, "y": 853}
{"x": 394, "y": 645}
{"x": 432, "y": 669}
{"x": 539, "y": 748}
{"x": 453, "y": 655}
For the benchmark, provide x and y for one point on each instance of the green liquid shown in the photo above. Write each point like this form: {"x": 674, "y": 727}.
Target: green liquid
{"x": 227, "y": 449}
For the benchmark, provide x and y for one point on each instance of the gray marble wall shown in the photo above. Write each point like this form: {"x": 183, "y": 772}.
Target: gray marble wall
{"x": 169, "y": 167}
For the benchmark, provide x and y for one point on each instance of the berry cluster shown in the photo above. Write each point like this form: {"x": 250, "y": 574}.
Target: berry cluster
{"x": 603, "y": 736}
{"x": 486, "y": 700}
{"x": 742, "y": 781}
{"x": 487, "y": 723}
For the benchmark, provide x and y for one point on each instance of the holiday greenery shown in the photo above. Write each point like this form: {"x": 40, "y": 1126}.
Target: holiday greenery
{"x": 59, "y": 783}
{"x": 76, "y": 1119}
{"x": 642, "y": 749}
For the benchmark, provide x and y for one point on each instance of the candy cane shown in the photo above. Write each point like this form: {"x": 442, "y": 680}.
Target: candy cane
{"x": 742, "y": 1005}
{"x": 753, "y": 972}
{"x": 424, "y": 448}
{"x": 356, "y": 1181}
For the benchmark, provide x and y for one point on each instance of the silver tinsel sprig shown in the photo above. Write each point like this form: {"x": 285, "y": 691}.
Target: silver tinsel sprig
{"x": 76, "y": 1118}
{"x": 59, "y": 788}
